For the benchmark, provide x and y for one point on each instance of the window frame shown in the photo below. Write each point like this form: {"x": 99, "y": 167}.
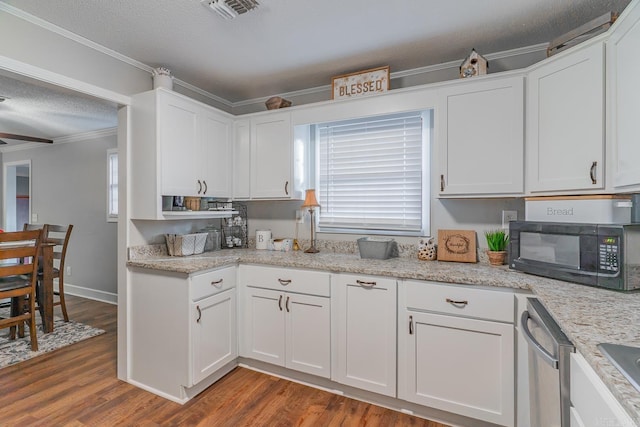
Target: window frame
{"x": 427, "y": 142}
{"x": 112, "y": 216}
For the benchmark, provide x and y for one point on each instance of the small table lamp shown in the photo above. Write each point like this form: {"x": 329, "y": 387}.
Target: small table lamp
{"x": 311, "y": 202}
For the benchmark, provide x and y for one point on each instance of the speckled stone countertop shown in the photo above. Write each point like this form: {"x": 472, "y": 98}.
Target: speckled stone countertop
{"x": 587, "y": 315}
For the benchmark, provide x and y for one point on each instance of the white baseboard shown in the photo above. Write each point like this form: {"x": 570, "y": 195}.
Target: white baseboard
{"x": 89, "y": 293}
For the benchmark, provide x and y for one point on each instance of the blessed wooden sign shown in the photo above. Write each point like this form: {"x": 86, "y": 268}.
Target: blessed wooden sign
{"x": 367, "y": 82}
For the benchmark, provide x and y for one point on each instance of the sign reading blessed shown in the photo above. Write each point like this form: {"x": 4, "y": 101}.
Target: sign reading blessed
{"x": 367, "y": 82}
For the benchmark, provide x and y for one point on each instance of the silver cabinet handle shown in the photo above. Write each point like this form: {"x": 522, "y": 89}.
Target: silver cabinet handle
{"x": 546, "y": 356}
{"x": 284, "y": 282}
{"x": 217, "y": 282}
{"x": 199, "y": 187}
{"x": 286, "y": 188}
{"x": 592, "y": 173}
{"x": 366, "y": 284}
{"x": 280, "y": 302}
{"x": 410, "y": 325}
{"x": 441, "y": 182}
{"x": 205, "y": 186}
{"x": 459, "y": 303}
{"x": 199, "y": 314}
{"x": 286, "y": 304}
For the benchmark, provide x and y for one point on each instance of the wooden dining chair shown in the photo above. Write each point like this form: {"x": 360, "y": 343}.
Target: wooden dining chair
{"x": 58, "y": 235}
{"x": 18, "y": 279}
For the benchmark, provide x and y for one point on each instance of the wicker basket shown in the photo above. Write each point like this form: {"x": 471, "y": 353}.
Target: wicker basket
{"x": 192, "y": 203}
{"x": 185, "y": 244}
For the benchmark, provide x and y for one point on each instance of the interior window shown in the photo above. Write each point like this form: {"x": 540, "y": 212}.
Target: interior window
{"x": 112, "y": 183}
{"x": 372, "y": 174}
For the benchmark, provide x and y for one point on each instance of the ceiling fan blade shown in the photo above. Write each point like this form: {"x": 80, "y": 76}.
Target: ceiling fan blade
{"x": 24, "y": 138}
{"x": 2, "y": 142}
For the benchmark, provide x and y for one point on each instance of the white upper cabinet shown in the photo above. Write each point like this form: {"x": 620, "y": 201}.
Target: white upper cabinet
{"x": 242, "y": 160}
{"x": 565, "y": 122}
{"x": 179, "y": 147}
{"x": 624, "y": 101}
{"x": 267, "y": 161}
{"x": 271, "y": 156}
{"x": 481, "y": 138}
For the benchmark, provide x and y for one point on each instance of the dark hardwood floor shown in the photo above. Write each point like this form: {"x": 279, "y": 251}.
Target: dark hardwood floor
{"x": 77, "y": 386}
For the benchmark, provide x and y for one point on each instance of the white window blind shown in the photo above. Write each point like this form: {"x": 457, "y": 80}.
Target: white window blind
{"x": 371, "y": 173}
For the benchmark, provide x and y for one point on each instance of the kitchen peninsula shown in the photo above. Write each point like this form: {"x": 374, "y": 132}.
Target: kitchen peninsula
{"x": 584, "y": 313}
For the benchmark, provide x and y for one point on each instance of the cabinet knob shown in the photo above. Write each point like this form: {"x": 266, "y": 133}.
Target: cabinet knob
{"x": 199, "y": 187}
{"x": 199, "y": 314}
{"x": 280, "y": 302}
{"x": 286, "y": 304}
{"x": 205, "y": 186}
{"x": 441, "y": 182}
{"x": 410, "y": 325}
{"x": 286, "y": 188}
{"x": 284, "y": 282}
{"x": 217, "y": 283}
{"x": 592, "y": 173}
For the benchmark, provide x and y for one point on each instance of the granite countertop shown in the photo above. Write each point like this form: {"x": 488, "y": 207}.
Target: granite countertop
{"x": 587, "y": 315}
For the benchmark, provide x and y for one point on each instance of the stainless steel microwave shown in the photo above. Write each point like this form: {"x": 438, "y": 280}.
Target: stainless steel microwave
{"x": 603, "y": 255}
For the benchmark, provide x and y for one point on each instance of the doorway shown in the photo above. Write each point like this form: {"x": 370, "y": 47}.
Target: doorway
{"x": 17, "y": 194}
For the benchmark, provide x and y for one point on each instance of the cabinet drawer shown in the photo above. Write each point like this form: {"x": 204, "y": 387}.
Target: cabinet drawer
{"x": 204, "y": 285}
{"x": 459, "y": 300}
{"x": 286, "y": 279}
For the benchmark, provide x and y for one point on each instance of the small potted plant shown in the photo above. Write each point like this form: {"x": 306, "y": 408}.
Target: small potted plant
{"x": 497, "y": 241}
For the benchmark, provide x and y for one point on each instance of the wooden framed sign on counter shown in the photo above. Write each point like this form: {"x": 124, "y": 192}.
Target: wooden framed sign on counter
{"x": 366, "y": 82}
{"x": 457, "y": 245}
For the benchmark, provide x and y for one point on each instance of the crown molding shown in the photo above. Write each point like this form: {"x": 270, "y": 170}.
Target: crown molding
{"x": 406, "y": 73}
{"x": 79, "y": 137}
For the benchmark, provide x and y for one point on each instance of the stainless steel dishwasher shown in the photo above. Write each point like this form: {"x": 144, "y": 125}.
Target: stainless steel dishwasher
{"x": 549, "y": 350}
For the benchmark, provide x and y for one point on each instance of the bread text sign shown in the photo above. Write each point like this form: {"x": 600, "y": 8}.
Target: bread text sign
{"x": 367, "y": 82}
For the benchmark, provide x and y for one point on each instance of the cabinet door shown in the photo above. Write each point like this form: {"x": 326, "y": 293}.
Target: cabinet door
{"x": 565, "y": 122}
{"x": 624, "y": 86}
{"x": 214, "y": 334}
{"x": 271, "y": 154}
{"x": 460, "y": 365}
{"x": 482, "y": 138}
{"x": 308, "y": 330}
{"x": 366, "y": 333}
{"x": 178, "y": 135}
{"x": 242, "y": 160}
{"x": 591, "y": 400}
{"x": 215, "y": 155}
{"x": 264, "y": 326}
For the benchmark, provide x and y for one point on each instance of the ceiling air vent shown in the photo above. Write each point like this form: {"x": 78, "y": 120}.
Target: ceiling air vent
{"x": 230, "y": 9}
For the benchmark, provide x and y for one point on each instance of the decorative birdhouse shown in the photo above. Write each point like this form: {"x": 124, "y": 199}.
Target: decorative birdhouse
{"x": 474, "y": 65}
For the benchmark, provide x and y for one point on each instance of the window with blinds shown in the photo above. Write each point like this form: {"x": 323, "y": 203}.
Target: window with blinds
{"x": 372, "y": 174}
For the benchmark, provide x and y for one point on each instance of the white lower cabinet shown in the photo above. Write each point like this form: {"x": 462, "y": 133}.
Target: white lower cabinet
{"x": 448, "y": 361}
{"x": 592, "y": 404}
{"x": 214, "y": 340}
{"x": 183, "y": 330}
{"x": 365, "y": 332}
{"x": 287, "y": 328}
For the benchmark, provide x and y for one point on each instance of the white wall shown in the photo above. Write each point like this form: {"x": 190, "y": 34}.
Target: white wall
{"x": 69, "y": 186}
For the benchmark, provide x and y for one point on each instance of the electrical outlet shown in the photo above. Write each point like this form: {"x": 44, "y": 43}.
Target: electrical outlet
{"x": 34, "y": 218}
{"x": 300, "y": 216}
{"x": 508, "y": 216}
{"x": 68, "y": 273}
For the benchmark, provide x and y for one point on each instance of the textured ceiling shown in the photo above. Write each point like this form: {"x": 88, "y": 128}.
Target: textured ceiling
{"x": 39, "y": 110}
{"x": 291, "y": 45}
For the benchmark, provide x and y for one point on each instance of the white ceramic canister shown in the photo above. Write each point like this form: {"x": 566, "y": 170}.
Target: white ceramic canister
{"x": 263, "y": 237}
